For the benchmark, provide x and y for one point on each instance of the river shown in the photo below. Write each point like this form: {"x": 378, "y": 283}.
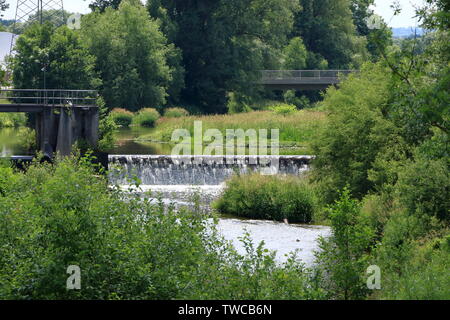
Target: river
{"x": 178, "y": 184}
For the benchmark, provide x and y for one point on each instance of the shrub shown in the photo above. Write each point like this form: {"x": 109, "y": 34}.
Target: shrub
{"x": 176, "y": 113}
{"x": 291, "y": 98}
{"x": 122, "y": 117}
{"x": 268, "y": 197}
{"x": 8, "y": 120}
{"x": 423, "y": 188}
{"x": 238, "y": 103}
{"x": 284, "y": 109}
{"x": 342, "y": 259}
{"x": 146, "y": 117}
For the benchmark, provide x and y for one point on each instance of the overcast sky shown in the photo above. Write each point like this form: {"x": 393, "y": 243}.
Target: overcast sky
{"x": 406, "y": 19}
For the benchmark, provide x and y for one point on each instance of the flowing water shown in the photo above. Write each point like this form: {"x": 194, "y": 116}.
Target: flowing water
{"x": 184, "y": 180}
{"x": 181, "y": 181}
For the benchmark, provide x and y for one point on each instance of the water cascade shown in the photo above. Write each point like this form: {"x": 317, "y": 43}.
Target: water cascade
{"x": 204, "y": 170}
{"x": 178, "y": 180}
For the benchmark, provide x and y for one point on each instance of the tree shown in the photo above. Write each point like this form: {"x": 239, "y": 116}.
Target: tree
{"x": 327, "y": 29}
{"x": 379, "y": 36}
{"x": 174, "y": 54}
{"x": 225, "y": 43}
{"x": 131, "y": 56}
{"x": 356, "y": 133}
{"x": 54, "y": 58}
{"x": 295, "y": 55}
{"x": 3, "y": 5}
{"x": 101, "y": 5}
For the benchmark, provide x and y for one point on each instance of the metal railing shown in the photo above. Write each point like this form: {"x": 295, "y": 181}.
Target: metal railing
{"x": 49, "y": 97}
{"x": 304, "y": 74}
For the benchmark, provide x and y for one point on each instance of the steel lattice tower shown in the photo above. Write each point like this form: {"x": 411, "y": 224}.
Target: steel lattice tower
{"x": 33, "y": 11}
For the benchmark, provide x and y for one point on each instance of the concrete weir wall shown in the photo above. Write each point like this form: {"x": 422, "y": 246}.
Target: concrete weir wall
{"x": 199, "y": 170}
{"x": 58, "y": 128}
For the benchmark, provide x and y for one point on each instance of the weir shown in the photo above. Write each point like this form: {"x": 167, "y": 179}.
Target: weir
{"x": 201, "y": 170}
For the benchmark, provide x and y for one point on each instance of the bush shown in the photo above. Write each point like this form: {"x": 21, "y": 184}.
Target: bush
{"x": 176, "y": 113}
{"x": 238, "y": 103}
{"x": 423, "y": 188}
{"x": 302, "y": 102}
{"x": 342, "y": 259}
{"x": 146, "y": 117}
{"x": 284, "y": 109}
{"x": 122, "y": 117}
{"x": 356, "y": 134}
{"x": 127, "y": 247}
{"x": 268, "y": 197}
{"x": 9, "y": 120}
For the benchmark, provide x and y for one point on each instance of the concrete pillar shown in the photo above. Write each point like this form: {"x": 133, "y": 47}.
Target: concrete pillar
{"x": 65, "y": 137}
{"x": 46, "y": 126}
{"x": 91, "y": 124}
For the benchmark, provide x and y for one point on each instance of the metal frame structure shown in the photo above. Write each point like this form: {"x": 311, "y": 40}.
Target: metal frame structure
{"x": 32, "y": 10}
{"x": 48, "y": 98}
{"x": 304, "y": 74}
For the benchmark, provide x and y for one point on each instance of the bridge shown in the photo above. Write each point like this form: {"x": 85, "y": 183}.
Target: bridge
{"x": 63, "y": 117}
{"x": 302, "y": 79}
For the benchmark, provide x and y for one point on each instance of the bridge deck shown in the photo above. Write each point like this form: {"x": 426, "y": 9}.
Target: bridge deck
{"x": 33, "y": 108}
{"x": 302, "y": 79}
{"x": 38, "y": 100}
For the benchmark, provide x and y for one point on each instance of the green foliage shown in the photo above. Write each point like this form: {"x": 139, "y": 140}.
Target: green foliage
{"x": 101, "y": 5}
{"x": 7, "y": 179}
{"x": 355, "y": 134}
{"x": 131, "y": 56}
{"x": 342, "y": 259}
{"x": 127, "y": 247}
{"x": 284, "y": 109}
{"x": 241, "y": 38}
{"x": 237, "y": 103}
{"x": 176, "y": 113}
{"x": 61, "y": 52}
{"x": 301, "y": 102}
{"x": 107, "y": 126}
{"x": 327, "y": 29}
{"x": 423, "y": 188}
{"x": 426, "y": 276}
{"x": 122, "y": 117}
{"x": 413, "y": 259}
{"x": 146, "y": 117}
{"x": 295, "y": 55}
{"x": 268, "y": 197}
{"x": 12, "y": 120}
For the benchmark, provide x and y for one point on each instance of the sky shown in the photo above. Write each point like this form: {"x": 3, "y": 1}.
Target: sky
{"x": 382, "y": 8}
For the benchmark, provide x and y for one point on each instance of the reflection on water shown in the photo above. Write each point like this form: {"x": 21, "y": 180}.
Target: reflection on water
{"x": 126, "y": 143}
{"x": 11, "y": 142}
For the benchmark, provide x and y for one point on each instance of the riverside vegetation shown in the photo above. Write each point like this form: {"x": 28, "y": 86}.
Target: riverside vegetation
{"x": 64, "y": 214}
{"x": 380, "y": 178}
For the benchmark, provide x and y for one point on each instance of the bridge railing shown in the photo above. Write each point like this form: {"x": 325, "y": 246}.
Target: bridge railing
{"x": 49, "y": 97}
{"x": 304, "y": 74}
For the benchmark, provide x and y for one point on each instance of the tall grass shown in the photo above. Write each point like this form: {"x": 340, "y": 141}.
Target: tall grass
{"x": 269, "y": 198}
{"x": 297, "y": 129}
{"x": 176, "y": 113}
{"x": 122, "y": 117}
{"x": 146, "y": 117}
